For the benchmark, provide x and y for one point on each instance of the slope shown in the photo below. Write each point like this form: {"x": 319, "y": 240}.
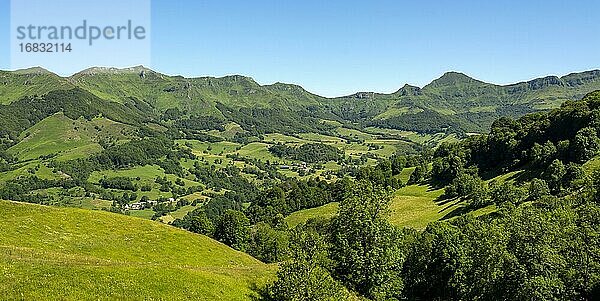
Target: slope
{"x": 29, "y": 82}
{"x": 65, "y": 138}
{"x": 194, "y": 95}
{"x": 60, "y": 253}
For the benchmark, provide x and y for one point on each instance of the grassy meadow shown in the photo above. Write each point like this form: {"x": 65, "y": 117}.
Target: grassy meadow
{"x": 111, "y": 256}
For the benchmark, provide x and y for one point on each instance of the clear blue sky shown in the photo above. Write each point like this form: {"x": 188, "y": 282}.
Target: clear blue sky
{"x": 339, "y": 47}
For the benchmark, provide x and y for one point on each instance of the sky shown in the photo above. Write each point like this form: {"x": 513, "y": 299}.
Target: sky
{"x": 336, "y": 47}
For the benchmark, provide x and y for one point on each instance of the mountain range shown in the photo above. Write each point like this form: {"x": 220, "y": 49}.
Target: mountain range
{"x": 453, "y": 103}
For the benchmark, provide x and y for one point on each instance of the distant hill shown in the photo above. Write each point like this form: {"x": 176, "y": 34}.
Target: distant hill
{"x": 453, "y": 103}
{"x": 74, "y": 254}
{"x": 456, "y": 101}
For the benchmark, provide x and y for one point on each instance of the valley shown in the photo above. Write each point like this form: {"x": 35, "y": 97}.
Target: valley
{"x": 142, "y": 185}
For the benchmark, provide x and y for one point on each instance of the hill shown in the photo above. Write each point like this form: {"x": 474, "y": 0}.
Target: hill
{"x": 28, "y": 82}
{"x": 458, "y": 102}
{"x": 454, "y": 102}
{"x": 62, "y": 253}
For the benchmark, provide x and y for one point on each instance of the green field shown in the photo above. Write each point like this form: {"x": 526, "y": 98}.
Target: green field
{"x": 299, "y": 217}
{"x": 75, "y": 254}
{"x": 413, "y": 206}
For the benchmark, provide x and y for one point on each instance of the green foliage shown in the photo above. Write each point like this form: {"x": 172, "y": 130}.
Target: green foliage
{"x": 121, "y": 183}
{"x": 471, "y": 187}
{"x": 536, "y": 138}
{"x": 293, "y": 195}
{"x": 365, "y": 248}
{"x": 586, "y": 144}
{"x": 305, "y": 277}
{"x": 259, "y": 121}
{"x": 268, "y": 244}
{"x": 228, "y": 178}
{"x": 197, "y": 222}
{"x": 507, "y": 193}
{"x": 24, "y": 113}
{"x": 420, "y": 173}
{"x": 554, "y": 175}
{"x": 527, "y": 253}
{"x": 538, "y": 189}
{"x": 574, "y": 177}
{"x": 448, "y": 163}
{"x": 233, "y": 229}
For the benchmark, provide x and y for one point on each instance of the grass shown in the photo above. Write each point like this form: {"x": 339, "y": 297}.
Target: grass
{"x": 145, "y": 214}
{"x": 413, "y": 206}
{"x": 258, "y": 151}
{"x": 592, "y": 165}
{"x": 67, "y": 139}
{"x": 54, "y": 135}
{"x": 147, "y": 175}
{"x": 299, "y": 217}
{"x": 35, "y": 167}
{"x": 177, "y": 214}
{"x": 404, "y": 176}
{"x": 28, "y": 83}
{"x": 75, "y": 254}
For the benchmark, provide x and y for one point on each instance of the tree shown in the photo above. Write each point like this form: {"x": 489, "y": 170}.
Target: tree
{"x": 507, "y": 193}
{"x": 574, "y": 176}
{"x": 541, "y": 155}
{"x": 554, "y": 175}
{"x": 538, "y": 189}
{"x": 432, "y": 262}
{"x": 419, "y": 174}
{"x": 585, "y": 145}
{"x": 305, "y": 276}
{"x": 448, "y": 163}
{"x": 268, "y": 244}
{"x": 365, "y": 248}
{"x": 471, "y": 187}
{"x": 233, "y": 229}
{"x": 201, "y": 224}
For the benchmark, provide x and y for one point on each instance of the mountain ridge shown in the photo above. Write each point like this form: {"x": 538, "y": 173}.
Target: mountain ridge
{"x": 463, "y": 103}
{"x": 447, "y": 77}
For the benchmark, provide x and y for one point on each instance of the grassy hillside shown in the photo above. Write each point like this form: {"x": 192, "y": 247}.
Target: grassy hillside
{"x": 453, "y": 103}
{"x": 29, "y": 82}
{"x": 61, "y": 253}
{"x": 456, "y": 101}
{"x": 197, "y": 95}
{"x": 414, "y": 206}
{"x": 61, "y": 136}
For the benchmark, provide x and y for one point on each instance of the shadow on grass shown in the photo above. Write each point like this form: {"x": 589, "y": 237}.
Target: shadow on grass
{"x": 456, "y": 212}
{"x": 444, "y": 199}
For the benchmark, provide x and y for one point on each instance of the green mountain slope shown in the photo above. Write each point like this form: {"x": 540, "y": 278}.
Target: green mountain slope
{"x": 195, "y": 95}
{"x": 460, "y": 102}
{"x": 74, "y": 103}
{"x": 451, "y": 103}
{"x": 28, "y": 82}
{"x": 60, "y": 253}
{"x": 64, "y": 138}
